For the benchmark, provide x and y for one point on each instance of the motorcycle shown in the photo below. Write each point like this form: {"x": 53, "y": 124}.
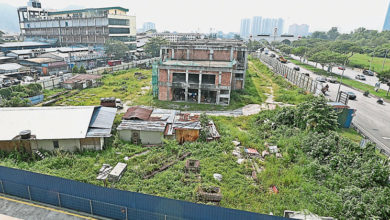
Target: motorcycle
{"x": 380, "y": 101}
{"x": 366, "y": 93}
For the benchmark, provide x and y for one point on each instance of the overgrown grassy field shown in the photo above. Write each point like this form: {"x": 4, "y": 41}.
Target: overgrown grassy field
{"x": 129, "y": 89}
{"x": 363, "y": 61}
{"x": 327, "y": 174}
{"x": 346, "y": 81}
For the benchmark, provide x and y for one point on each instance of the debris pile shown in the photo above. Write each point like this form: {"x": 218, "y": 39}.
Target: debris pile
{"x": 116, "y": 174}
{"x": 209, "y": 194}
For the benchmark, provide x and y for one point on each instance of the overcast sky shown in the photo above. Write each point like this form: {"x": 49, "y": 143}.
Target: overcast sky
{"x": 225, "y": 15}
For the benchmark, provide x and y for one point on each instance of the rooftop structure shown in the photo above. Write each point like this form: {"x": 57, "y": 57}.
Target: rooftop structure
{"x": 10, "y": 68}
{"x": 176, "y": 37}
{"x": 6, "y": 47}
{"x": 88, "y": 26}
{"x": 201, "y": 71}
{"x": 148, "y": 126}
{"x": 67, "y": 128}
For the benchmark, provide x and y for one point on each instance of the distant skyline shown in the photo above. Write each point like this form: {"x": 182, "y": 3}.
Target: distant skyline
{"x": 201, "y": 15}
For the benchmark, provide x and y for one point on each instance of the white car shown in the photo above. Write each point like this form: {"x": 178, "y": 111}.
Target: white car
{"x": 360, "y": 77}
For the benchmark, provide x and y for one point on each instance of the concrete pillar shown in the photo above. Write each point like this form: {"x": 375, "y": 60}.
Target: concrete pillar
{"x": 186, "y": 94}
{"x": 219, "y": 78}
{"x": 231, "y": 54}
{"x": 217, "y": 98}
{"x": 168, "y": 87}
{"x": 173, "y": 54}
{"x": 188, "y": 54}
{"x": 186, "y": 87}
{"x": 211, "y": 52}
{"x": 200, "y": 88}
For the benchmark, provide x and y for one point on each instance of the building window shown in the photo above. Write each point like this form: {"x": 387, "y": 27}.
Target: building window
{"x": 66, "y": 24}
{"x": 56, "y": 145}
{"x": 119, "y": 30}
{"x": 124, "y": 22}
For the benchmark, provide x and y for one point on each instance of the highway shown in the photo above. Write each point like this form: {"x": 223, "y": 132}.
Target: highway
{"x": 371, "y": 117}
{"x": 349, "y": 73}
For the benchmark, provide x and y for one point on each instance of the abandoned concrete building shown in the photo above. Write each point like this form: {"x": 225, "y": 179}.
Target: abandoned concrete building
{"x": 73, "y": 128}
{"x": 201, "y": 71}
{"x": 148, "y": 126}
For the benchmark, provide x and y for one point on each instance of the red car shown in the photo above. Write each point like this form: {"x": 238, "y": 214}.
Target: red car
{"x": 341, "y": 68}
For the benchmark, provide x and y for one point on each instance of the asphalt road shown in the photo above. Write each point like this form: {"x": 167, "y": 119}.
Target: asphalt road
{"x": 350, "y": 73}
{"x": 373, "y": 118}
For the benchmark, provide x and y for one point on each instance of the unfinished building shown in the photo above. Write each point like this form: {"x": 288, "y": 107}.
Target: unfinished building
{"x": 202, "y": 71}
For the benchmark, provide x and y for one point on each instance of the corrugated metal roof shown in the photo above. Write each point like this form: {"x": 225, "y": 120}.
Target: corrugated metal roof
{"x": 138, "y": 113}
{"x": 23, "y": 44}
{"x": 46, "y": 123}
{"x": 82, "y": 77}
{"x": 103, "y": 117}
{"x": 142, "y": 125}
{"x": 187, "y": 125}
{"x": 10, "y": 66}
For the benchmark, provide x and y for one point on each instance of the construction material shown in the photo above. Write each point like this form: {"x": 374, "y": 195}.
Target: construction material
{"x": 217, "y": 177}
{"x": 104, "y": 171}
{"x": 192, "y": 166}
{"x": 166, "y": 166}
{"x": 209, "y": 194}
{"x": 117, "y": 173}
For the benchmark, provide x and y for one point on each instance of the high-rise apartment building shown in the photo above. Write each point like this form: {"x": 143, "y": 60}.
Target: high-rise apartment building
{"x": 299, "y": 30}
{"x": 269, "y": 25}
{"x": 256, "y": 25}
{"x": 386, "y": 25}
{"x": 245, "y": 29}
{"x": 148, "y": 26}
{"x": 91, "y": 26}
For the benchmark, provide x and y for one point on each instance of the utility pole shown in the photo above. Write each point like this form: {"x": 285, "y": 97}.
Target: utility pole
{"x": 383, "y": 65}
{"x": 372, "y": 58}
{"x": 341, "y": 79}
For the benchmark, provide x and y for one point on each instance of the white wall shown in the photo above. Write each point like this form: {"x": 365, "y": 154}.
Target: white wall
{"x": 65, "y": 145}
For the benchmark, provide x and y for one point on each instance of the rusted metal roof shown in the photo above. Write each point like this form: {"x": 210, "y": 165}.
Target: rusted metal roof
{"x": 138, "y": 113}
{"x": 82, "y": 77}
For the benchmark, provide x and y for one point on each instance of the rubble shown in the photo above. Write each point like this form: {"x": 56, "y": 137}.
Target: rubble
{"x": 192, "y": 166}
{"x": 273, "y": 149}
{"x": 236, "y": 143}
{"x": 240, "y": 161}
{"x": 117, "y": 173}
{"x": 209, "y": 194}
{"x": 217, "y": 176}
{"x": 264, "y": 153}
{"x": 251, "y": 152}
{"x": 104, "y": 171}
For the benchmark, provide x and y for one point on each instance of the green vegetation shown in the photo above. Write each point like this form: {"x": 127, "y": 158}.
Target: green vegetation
{"x": 16, "y": 96}
{"x": 346, "y": 81}
{"x": 116, "y": 49}
{"x": 152, "y": 47}
{"x": 320, "y": 170}
{"x": 363, "y": 61}
{"x": 126, "y": 86}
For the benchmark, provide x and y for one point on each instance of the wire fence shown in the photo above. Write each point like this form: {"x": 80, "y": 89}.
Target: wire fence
{"x": 297, "y": 78}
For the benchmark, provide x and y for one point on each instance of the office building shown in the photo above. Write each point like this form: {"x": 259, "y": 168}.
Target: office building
{"x": 299, "y": 30}
{"x": 386, "y": 26}
{"x": 245, "y": 29}
{"x": 91, "y": 26}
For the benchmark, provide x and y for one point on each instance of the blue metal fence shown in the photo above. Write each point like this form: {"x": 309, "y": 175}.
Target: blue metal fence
{"x": 110, "y": 203}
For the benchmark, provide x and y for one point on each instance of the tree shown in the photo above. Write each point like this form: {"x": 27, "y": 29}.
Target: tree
{"x": 82, "y": 70}
{"x": 75, "y": 69}
{"x": 384, "y": 77}
{"x": 253, "y": 45}
{"x": 237, "y": 37}
{"x": 116, "y": 49}
{"x": 333, "y": 33}
{"x": 152, "y": 47}
{"x": 299, "y": 51}
{"x": 319, "y": 35}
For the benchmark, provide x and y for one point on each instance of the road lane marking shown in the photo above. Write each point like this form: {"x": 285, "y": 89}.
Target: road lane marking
{"x": 47, "y": 208}
{"x": 386, "y": 138}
